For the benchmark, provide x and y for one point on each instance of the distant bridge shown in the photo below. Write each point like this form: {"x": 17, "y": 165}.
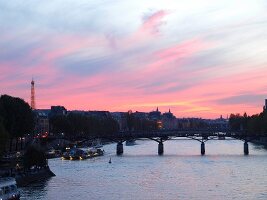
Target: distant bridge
{"x": 160, "y": 136}
{"x": 201, "y": 135}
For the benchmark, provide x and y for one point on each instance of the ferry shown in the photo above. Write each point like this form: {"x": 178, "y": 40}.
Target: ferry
{"x": 78, "y": 154}
{"x": 8, "y": 189}
{"x": 74, "y": 154}
{"x": 94, "y": 152}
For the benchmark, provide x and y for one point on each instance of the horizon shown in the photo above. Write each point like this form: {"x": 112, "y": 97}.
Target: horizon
{"x": 199, "y": 59}
{"x": 140, "y": 111}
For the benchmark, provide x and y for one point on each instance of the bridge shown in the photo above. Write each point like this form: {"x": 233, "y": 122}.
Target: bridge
{"x": 160, "y": 136}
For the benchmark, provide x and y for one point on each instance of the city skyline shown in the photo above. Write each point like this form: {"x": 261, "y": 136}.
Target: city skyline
{"x": 200, "y": 59}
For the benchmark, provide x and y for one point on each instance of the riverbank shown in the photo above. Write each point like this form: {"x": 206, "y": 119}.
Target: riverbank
{"x": 261, "y": 141}
{"x": 12, "y": 166}
{"x": 32, "y": 176}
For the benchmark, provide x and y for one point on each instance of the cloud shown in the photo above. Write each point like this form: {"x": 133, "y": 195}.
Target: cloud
{"x": 118, "y": 54}
{"x": 152, "y": 22}
{"x": 252, "y": 99}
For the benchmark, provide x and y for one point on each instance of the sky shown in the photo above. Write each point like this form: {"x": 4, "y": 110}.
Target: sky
{"x": 199, "y": 58}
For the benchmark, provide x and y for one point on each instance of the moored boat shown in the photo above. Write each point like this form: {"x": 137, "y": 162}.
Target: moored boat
{"x": 52, "y": 153}
{"x": 94, "y": 152}
{"x": 8, "y": 189}
{"x": 79, "y": 154}
{"x": 74, "y": 154}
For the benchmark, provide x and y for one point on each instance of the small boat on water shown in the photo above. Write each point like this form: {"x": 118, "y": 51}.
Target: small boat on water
{"x": 8, "y": 189}
{"x": 94, "y": 152}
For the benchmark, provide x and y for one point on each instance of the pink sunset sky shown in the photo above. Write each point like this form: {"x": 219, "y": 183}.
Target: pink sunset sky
{"x": 198, "y": 58}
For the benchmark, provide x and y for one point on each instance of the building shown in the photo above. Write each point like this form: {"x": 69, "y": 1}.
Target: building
{"x": 265, "y": 107}
{"x": 121, "y": 119}
{"x": 189, "y": 123}
{"x": 169, "y": 120}
{"x": 140, "y": 115}
{"x": 155, "y": 115}
{"x": 42, "y": 122}
{"x": 98, "y": 114}
{"x": 58, "y": 110}
{"x": 220, "y": 123}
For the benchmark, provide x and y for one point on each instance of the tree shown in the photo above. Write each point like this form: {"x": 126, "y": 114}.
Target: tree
{"x": 3, "y": 138}
{"x": 264, "y": 123}
{"x": 254, "y": 124}
{"x": 77, "y": 125}
{"x": 34, "y": 156}
{"x": 235, "y": 122}
{"x": 17, "y": 117}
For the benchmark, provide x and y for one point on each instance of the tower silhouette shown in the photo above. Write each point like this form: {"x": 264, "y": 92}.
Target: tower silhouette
{"x": 32, "y": 95}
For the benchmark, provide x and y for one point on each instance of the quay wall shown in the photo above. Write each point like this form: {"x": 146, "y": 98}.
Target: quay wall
{"x": 33, "y": 176}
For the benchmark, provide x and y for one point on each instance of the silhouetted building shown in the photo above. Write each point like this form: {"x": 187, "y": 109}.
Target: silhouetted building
{"x": 58, "y": 110}
{"x": 169, "y": 120}
{"x": 183, "y": 123}
{"x": 265, "y": 107}
{"x": 121, "y": 119}
{"x": 155, "y": 115}
{"x": 99, "y": 114}
{"x": 140, "y": 115}
{"x": 78, "y": 112}
{"x": 219, "y": 123}
{"x": 42, "y": 121}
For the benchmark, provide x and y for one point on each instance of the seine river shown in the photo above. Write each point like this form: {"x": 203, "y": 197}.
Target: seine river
{"x": 181, "y": 173}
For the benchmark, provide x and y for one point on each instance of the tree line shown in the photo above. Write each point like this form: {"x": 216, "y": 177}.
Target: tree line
{"x": 76, "y": 125}
{"x": 139, "y": 124}
{"x": 255, "y": 124}
{"x": 16, "y": 120}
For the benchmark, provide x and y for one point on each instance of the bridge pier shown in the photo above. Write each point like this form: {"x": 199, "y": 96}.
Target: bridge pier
{"x": 202, "y": 148}
{"x": 246, "y": 151}
{"x": 160, "y": 148}
{"x": 119, "y": 148}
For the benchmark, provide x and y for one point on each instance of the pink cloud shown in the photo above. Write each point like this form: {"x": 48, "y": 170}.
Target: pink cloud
{"x": 174, "y": 56}
{"x": 152, "y": 23}
{"x": 135, "y": 85}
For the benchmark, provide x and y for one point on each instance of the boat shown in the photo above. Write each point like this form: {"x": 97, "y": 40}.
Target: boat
{"x": 130, "y": 142}
{"x": 52, "y": 153}
{"x": 66, "y": 156}
{"x": 94, "y": 152}
{"x": 79, "y": 154}
{"x": 8, "y": 189}
{"x": 74, "y": 154}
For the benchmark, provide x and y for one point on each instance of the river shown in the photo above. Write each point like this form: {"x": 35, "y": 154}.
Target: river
{"x": 181, "y": 173}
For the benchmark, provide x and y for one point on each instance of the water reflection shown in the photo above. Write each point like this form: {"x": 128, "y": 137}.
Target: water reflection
{"x": 181, "y": 173}
{"x": 35, "y": 190}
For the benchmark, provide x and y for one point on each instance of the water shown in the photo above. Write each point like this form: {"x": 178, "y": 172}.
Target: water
{"x": 181, "y": 173}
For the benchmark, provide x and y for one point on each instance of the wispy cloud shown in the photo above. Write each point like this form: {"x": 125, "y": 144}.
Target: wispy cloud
{"x": 198, "y": 58}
